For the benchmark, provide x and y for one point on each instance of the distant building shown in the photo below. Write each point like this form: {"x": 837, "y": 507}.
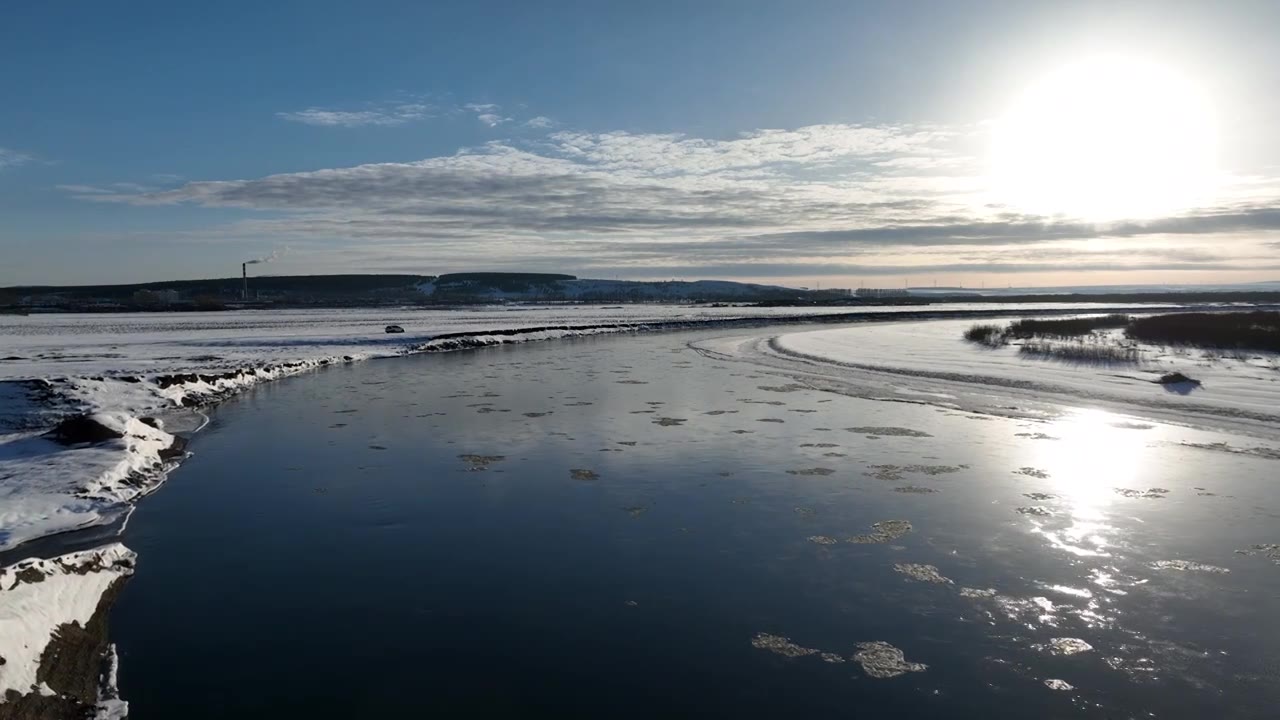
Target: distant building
{"x": 881, "y": 293}
{"x": 156, "y": 297}
{"x": 43, "y": 300}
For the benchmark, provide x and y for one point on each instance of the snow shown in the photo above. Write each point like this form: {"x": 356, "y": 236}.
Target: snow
{"x": 110, "y": 706}
{"x": 47, "y": 488}
{"x": 68, "y": 591}
{"x": 86, "y": 345}
{"x": 930, "y": 362}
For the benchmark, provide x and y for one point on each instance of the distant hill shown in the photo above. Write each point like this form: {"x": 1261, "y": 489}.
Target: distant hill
{"x": 357, "y": 289}
{"x": 485, "y": 287}
{"x": 315, "y": 285}
{"x": 547, "y": 287}
{"x": 493, "y": 284}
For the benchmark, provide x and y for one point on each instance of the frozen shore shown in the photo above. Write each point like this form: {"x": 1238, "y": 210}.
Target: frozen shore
{"x": 930, "y": 362}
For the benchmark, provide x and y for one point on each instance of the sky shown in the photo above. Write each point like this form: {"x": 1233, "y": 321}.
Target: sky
{"x": 843, "y": 143}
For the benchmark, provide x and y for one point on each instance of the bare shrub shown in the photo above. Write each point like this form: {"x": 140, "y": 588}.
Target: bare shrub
{"x": 989, "y": 335}
{"x": 1258, "y": 330}
{"x": 1081, "y": 352}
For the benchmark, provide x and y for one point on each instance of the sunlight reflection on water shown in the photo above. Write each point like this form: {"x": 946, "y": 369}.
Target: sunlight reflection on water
{"x": 1085, "y": 461}
{"x": 1090, "y": 458}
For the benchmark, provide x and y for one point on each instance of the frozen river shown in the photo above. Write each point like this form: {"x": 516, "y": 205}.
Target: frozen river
{"x": 632, "y": 527}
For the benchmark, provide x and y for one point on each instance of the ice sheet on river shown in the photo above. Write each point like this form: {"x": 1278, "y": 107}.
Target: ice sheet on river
{"x": 929, "y": 362}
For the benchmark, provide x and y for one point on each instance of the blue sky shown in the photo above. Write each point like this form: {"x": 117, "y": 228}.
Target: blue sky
{"x": 840, "y": 142}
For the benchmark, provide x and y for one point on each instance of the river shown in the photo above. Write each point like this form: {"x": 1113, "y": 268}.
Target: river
{"x": 622, "y": 527}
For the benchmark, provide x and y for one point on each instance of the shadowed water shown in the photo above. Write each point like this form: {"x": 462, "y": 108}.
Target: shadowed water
{"x": 621, "y": 527}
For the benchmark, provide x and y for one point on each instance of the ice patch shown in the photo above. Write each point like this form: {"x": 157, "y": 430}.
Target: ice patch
{"x": 881, "y": 660}
{"x": 480, "y": 462}
{"x": 780, "y": 646}
{"x": 923, "y": 573}
{"x": 110, "y": 706}
{"x": 896, "y": 472}
{"x": 1066, "y": 646}
{"x": 885, "y": 531}
{"x": 889, "y": 432}
{"x": 1150, "y": 493}
{"x": 1271, "y": 551}
{"x": 1188, "y": 566}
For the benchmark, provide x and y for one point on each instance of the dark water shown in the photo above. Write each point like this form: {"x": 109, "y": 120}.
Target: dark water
{"x": 326, "y": 553}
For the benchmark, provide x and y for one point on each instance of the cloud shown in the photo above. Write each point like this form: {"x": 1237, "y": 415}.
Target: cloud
{"x": 672, "y": 154}
{"x": 1033, "y": 230}
{"x": 87, "y": 190}
{"x": 487, "y": 113}
{"x": 870, "y": 199}
{"x": 808, "y": 270}
{"x": 399, "y": 113}
{"x": 13, "y": 158}
{"x": 109, "y": 191}
{"x": 379, "y": 115}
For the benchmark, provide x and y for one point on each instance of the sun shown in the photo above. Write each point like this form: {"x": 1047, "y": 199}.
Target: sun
{"x": 1106, "y": 138}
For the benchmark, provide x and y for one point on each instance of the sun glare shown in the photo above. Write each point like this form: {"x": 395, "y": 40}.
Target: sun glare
{"x": 1106, "y": 138}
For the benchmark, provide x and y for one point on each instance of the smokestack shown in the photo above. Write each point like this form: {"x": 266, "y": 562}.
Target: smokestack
{"x": 244, "y": 275}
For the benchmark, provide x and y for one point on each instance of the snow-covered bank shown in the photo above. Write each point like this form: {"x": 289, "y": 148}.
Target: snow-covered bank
{"x": 48, "y": 486}
{"x": 86, "y": 345}
{"x": 930, "y": 362}
{"x": 52, "y": 624}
